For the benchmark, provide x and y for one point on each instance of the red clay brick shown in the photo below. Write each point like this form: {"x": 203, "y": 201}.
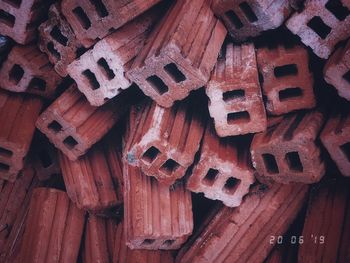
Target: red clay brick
{"x": 235, "y": 100}
{"x": 73, "y": 125}
{"x": 223, "y": 171}
{"x": 321, "y": 24}
{"x": 93, "y": 20}
{"x": 29, "y": 70}
{"x": 163, "y": 142}
{"x": 94, "y": 182}
{"x": 57, "y": 40}
{"x": 288, "y": 81}
{"x": 17, "y": 117}
{"x": 337, "y": 71}
{"x": 14, "y": 201}
{"x": 19, "y": 19}
{"x": 180, "y": 53}
{"x": 326, "y": 229}
{"x": 248, "y": 18}
{"x": 53, "y": 229}
{"x": 156, "y": 217}
{"x": 105, "y": 242}
{"x": 287, "y": 152}
{"x": 100, "y": 72}
{"x": 243, "y": 234}
{"x": 336, "y": 138}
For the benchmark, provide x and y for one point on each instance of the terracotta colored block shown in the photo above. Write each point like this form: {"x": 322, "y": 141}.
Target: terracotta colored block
{"x": 223, "y": 171}
{"x": 53, "y": 229}
{"x": 57, "y": 40}
{"x": 321, "y": 24}
{"x": 287, "y": 152}
{"x": 156, "y": 217}
{"x": 248, "y": 18}
{"x": 105, "y": 242}
{"x": 235, "y": 99}
{"x": 73, "y": 125}
{"x": 28, "y": 70}
{"x": 243, "y": 234}
{"x": 14, "y": 201}
{"x": 17, "y": 117}
{"x": 93, "y": 20}
{"x": 337, "y": 71}
{"x": 95, "y": 181}
{"x": 336, "y": 138}
{"x": 287, "y": 79}
{"x": 180, "y": 53}
{"x": 327, "y": 229}
{"x": 19, "y": 19}
{"x": 100, "y": 72}
{"x": 163, "y": 142}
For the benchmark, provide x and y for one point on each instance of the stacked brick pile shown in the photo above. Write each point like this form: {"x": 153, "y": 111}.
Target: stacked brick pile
{"x": 174, "y": 131}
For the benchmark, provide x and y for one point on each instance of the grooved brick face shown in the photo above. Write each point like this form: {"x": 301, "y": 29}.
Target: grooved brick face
{"x": 337, "y": 71}
{"x": 235, "y": 99}
{"x": 19, "y": 19}
{"x": 28, "y": 70}
{"x": 156, "y": 216}
{"x": 248, "y": 18}
{"x": 17, "y": 117}
{"x": 93, "y": 20}
{"x": 287, "y": 79}
{"x": 288, "y": 152}
{"x": 100, "y": 72}
{"x": 163, "y": 142}
{"x": 336, "y": 138}
{"x": 180, "y": 54}
{"x": 58, "y": 41}
{"x": 321, "y": 25}
{"x": 223, "y": 171}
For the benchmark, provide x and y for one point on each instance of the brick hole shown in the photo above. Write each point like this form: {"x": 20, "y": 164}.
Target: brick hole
{"x": 7, "y": 18}
{"x": 210, "y": 177}
{"x": 4, "y": 167}
{"x": 168, "y": 242}
{"x": 100, "y": 8}
{"x": 345, "y": 148}
{"x": 290, "y": 93}
{"x": 55, "y": 126}
{"x": 58, "y": 36}
{"x": 151, "y": 154}
{"x": 5, "y": 152}
{"x": 37, "y": 84}
{"x": 169, "y": 167}
{"x": 148, "y": 241}
{"x": 270, "y": 163}
{"x": 51, "y": 48}
{"x": 293, "y": 161}
{"x": 346, "y": 76}
{"x": 157, "y": 84}
{"x": 234, "y": 117}
{"x": 337, "y": 9}
{"x": 82, "y": 17}
{"x": 45, "y": 159}
{"x": 319, "y": 27}
{"x": 14, "y": 3}
{"x": 234, "y": 19}
{"x": 174, "y": 72}
{"x": 94, "y": 84}
{"x": 231, "y": 185}
{"x": 106, "y": 70}
{"x": 80, "y": 51}
{"x": 70, "y": 142}
{"x": 248, "y": 12}
{"x": 16, "y": 74}
{"x": 233, "y": 95}
{"x": 285, "y": 70}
